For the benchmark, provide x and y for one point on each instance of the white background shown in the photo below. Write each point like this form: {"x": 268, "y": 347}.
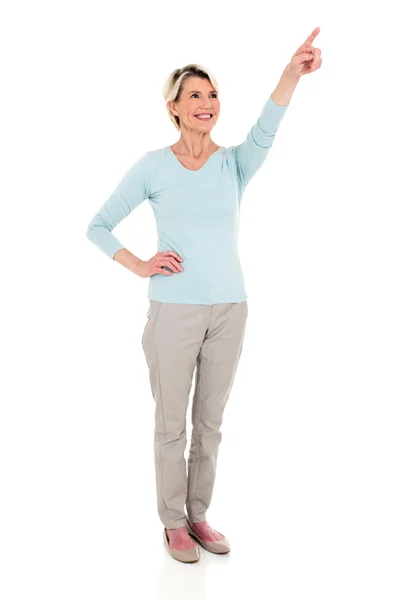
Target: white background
{"x": 307, "y": 488}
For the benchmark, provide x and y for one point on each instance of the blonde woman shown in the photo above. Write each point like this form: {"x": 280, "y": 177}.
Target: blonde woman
{"x": 197, "y": 299}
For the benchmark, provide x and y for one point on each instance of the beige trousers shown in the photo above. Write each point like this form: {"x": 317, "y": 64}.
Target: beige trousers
{"x": 176, "y": 339}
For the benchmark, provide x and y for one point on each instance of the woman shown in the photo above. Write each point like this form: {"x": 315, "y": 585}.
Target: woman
{"x": 197, "y": 299}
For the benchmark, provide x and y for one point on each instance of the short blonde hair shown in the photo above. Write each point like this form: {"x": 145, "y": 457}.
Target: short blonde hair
{"x": 174, "y": 85}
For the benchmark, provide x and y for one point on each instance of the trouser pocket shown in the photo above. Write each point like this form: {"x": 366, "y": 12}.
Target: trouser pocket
{"x": 152, "y": 311}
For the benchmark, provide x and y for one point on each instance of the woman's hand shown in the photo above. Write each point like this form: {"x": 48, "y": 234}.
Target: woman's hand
{"x": 307, "y": 58}
{"x": 169, "y": 258}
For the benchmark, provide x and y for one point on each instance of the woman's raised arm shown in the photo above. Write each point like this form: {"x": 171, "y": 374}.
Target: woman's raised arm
{"x": 251, "y": 153}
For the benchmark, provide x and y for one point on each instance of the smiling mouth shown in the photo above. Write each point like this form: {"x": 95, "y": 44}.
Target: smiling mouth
{"x": 204, "y": 118}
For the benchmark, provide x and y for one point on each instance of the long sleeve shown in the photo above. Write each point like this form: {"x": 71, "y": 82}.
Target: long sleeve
{"x": 250, "y": 154}
{"x": 129, "y": 193}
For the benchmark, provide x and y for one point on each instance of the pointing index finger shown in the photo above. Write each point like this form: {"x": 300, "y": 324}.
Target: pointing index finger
{"x": 312, "y": 36}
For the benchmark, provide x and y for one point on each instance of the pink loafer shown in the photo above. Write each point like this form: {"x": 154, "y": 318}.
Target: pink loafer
{"x": 189, "y": 555}
{"x": 219, "y": 547}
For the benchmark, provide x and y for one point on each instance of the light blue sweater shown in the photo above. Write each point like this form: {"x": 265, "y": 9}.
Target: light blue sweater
{"x": 197, "y": 214}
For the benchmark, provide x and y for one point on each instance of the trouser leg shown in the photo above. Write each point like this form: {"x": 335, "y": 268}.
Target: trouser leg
{"x": 171, "y": 342}
{"x": 216, "y": 368}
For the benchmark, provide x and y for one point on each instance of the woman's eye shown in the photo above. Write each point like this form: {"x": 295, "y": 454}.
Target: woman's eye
{"x": 197, "y": 95}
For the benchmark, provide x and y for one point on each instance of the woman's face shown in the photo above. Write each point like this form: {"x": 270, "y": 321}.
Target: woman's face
{"x": 198, "y": 96}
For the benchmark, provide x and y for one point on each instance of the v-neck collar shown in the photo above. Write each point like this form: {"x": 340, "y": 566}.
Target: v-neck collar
{"x": 192, "y": 170}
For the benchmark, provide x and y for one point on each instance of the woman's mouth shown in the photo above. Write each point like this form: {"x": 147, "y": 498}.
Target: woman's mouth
{"x": 204, "y": 117}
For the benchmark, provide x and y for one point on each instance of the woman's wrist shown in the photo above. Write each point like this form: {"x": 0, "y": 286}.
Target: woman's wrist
{"x": 125, "y": 258}
{"x": 283, "y": 92}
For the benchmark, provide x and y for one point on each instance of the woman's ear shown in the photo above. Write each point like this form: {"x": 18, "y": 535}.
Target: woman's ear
{"x": 172, "y": 108}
